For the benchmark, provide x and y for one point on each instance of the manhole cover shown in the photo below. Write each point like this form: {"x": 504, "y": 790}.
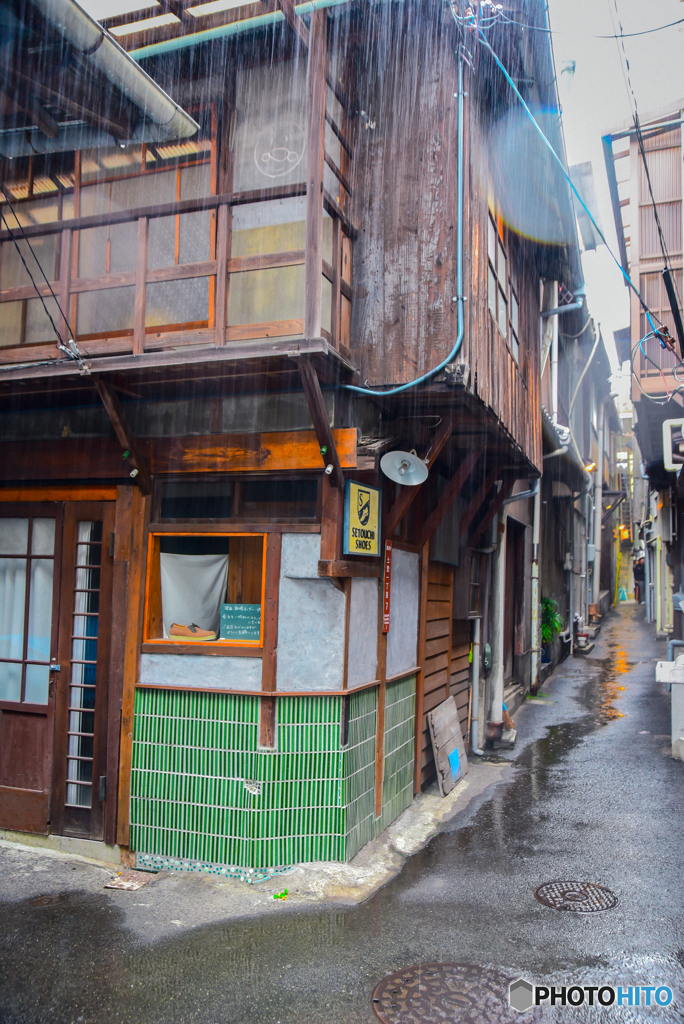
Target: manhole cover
{"x": 445, "y": 993}
{"x": 581, "y": 897}
{"x": 43, "y": 901}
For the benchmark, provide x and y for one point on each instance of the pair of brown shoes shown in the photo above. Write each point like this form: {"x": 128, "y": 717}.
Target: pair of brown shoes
{"x": 191, "y": 632}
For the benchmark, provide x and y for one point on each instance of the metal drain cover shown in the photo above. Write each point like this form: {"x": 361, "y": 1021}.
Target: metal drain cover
{"x": 446, "y": 993}
{"x": 580, "y": 897}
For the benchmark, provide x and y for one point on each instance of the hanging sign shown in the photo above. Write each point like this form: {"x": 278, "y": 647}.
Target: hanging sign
{"x": 387, "y": 582}
{"x": 361, "y": 519}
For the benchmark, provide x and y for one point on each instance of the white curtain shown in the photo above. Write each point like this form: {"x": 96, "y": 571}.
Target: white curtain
{"x": 193, "y": 587}
{"x": 12, "y": 597}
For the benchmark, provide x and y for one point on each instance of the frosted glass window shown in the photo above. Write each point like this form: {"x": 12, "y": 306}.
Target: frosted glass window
{"x": 37, "y": 326}
{"x": 37, "y": 684}
{"x": 40, "y": 610}
{"x": 12, "y": 601}
{"x": 12, "y": 272}
{"x": 177, "y": 302}
{"x": 270, "y": 129}
{"x": 260, "y": 296}
{"x": 43, "y": 537}
{"x": 108, "y": 310}
{"x": 11, "y": 322}
{"x": 277, "y": 226}
{"x": 326, "y": 304}
{"x": 10, "y": 680}
{"x": 13, "y": 536}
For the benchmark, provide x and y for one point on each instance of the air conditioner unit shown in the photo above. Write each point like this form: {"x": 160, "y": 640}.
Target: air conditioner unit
{"x": 673, "y": 445}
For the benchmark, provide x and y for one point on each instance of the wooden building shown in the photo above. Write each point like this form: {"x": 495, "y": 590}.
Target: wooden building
{"x": 337, "y": 221}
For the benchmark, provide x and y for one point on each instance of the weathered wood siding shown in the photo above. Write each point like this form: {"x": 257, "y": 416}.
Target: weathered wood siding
{"x": 404, "y": 319}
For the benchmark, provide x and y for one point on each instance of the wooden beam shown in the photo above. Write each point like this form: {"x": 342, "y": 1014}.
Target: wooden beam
{"x": 449, "y": 494}
{"x": 341, "y": 569}
{"x": 494, "y": 506}
{"x": 294, "y": 21}
{"x": 135, "y": 589}
{"x": 337, "y": 132}
{"x": 338, "y": 174}
{"x": 408, "y": 494}
{"x": 267, "y": 722}
{"x": 319, "y": 417}
{"x": 96, "y": 220}
{"x": 140, "y": 287}
{"x": 109, "y": 399}
{"x": 477, "y": 499}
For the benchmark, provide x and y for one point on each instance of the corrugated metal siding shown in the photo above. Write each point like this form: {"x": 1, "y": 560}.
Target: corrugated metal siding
{"x": 671, "y": 221}
{"x": 666, "y": 176}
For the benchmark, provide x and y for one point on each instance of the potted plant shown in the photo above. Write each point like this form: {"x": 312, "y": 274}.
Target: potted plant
{"x": 551, "y": 626}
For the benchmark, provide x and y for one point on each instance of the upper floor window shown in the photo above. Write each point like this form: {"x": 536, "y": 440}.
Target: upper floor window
{"x": 502, "y": 287}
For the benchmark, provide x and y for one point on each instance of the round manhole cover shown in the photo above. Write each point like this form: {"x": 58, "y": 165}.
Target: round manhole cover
{"x": 580, "y": 897}
{"x": 445, "y": 993}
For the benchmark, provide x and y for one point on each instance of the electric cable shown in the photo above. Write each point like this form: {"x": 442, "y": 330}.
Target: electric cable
{"x": 647, "y": 311}
{"x": 39, "y": 264}
{"x": 33, "y": 282}
{"x": 503, "y": 20}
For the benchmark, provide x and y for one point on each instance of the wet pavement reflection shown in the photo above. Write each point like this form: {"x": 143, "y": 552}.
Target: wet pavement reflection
{"x": 594, "y": 796}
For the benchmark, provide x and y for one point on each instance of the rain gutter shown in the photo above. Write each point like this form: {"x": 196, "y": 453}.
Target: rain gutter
{"x": 162, "y": 118}
{"x": 233, "y": 28}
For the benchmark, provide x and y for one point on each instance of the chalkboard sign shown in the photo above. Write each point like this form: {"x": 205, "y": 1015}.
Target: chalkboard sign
{"x": 241, "y": 622}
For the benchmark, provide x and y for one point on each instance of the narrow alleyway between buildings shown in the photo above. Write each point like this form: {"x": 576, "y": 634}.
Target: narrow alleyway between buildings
{"x": 593, "y": 795}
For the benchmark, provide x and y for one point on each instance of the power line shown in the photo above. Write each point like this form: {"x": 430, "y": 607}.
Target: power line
{"x": 500, "y": 18}
{"x": 33, "y": 282}
{"x": 38, "y": 263}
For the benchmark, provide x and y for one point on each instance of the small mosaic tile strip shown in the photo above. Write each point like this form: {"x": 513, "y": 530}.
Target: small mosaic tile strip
{"x": 399, "y": 749}
{"x": 149, "y": 862}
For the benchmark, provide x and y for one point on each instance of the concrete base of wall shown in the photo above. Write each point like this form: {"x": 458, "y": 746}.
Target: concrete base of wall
{"x": 87, "y": 849}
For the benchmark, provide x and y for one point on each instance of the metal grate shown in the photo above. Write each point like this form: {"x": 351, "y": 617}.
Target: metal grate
{"x": 446, "y": 993}
{"x": 579, "y": 897}
{"x": 84, "y": 639}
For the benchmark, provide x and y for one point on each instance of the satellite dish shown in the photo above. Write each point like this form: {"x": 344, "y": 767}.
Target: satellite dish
{"x": 404, "y": 468}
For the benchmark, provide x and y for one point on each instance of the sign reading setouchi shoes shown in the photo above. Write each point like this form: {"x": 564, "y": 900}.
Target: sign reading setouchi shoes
{"x": 361, "y": 519}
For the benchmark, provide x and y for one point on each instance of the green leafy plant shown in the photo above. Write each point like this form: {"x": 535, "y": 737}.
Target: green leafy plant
{"x": 551, "y": 621}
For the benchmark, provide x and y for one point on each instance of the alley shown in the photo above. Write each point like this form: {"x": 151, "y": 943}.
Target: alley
{"x": 594, "y": 796}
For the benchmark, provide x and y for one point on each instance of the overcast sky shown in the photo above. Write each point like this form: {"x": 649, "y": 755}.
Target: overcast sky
{"x": 596, "y": 100}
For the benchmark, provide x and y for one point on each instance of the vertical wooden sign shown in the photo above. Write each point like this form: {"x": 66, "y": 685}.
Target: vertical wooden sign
{"x": 386, "y": 587}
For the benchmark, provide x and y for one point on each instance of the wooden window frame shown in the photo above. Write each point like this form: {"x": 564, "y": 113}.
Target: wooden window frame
{"x": 238, "y": 518}
{"x": 511, "y": 292}
{"x": 153, "y": 594}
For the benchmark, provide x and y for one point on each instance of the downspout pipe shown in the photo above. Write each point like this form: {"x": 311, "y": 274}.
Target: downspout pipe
{"x": 98, "y": 48}
{"x": 495, "y": 723}
{"x": 598, "y": 503}
{"x": 671, "y": 644}
{"x": 558, "y": 451}
{"x": 475, "y": 701}
{"x": 532, "y": 493}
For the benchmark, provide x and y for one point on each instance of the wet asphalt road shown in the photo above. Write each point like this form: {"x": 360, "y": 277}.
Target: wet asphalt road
{"x": 595, "y": 796}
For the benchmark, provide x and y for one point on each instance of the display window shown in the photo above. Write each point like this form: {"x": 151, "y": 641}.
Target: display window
{"x": 205, "y": 589}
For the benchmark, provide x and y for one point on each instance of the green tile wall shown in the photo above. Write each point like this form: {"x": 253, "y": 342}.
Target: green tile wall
{"x": 397, "y": 781}
{"x": 193, "y": 752}
{"x": 359, "y": 771}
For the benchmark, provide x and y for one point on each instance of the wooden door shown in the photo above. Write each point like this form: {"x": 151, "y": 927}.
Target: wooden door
{"x": 30, "y": 536}
{"x": 436, "y": 668}
{"x": 80, "y": 746}
{"x": 514, "y": 598}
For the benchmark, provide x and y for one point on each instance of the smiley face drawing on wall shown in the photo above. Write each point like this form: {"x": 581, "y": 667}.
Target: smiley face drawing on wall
{"x": 279, "y": 148}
